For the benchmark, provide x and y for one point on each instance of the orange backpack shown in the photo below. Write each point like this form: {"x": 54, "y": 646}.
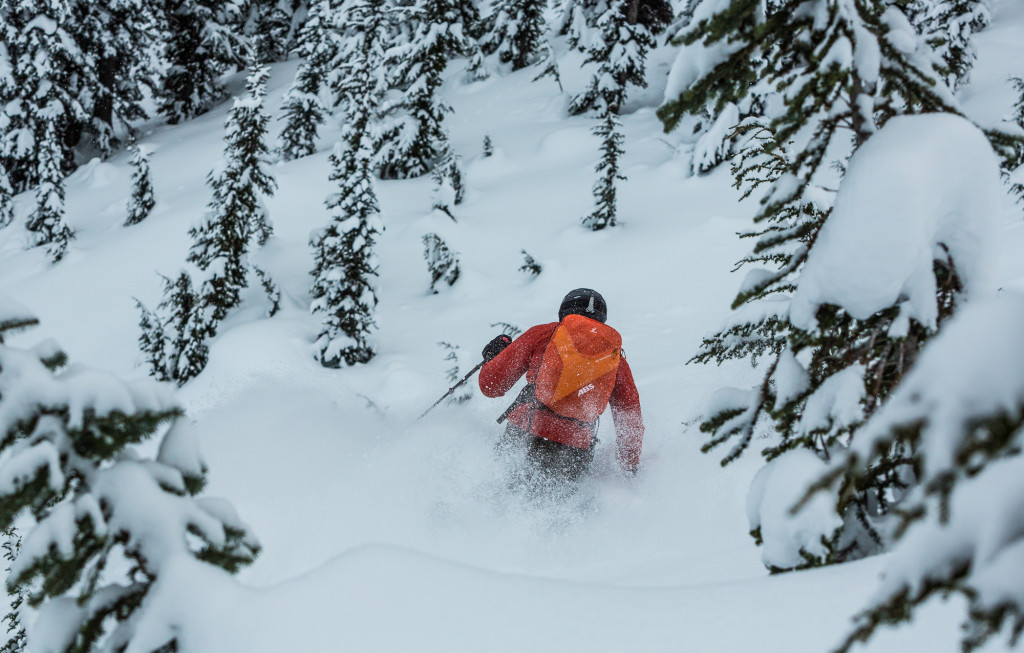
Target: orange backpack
{"x": 577, "y": 372}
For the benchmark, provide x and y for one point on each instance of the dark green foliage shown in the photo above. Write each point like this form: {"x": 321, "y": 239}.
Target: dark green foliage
{"x": 442, "y": 262}
{"x": 605, "y": 211}
{"x": 454, "y": 373}
{"x": 173, "y": 338}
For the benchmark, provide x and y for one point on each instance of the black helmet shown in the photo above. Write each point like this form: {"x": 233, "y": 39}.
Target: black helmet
{"x": 585, "y": 302}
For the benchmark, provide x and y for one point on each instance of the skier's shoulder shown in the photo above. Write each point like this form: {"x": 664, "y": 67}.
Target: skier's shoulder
{"x": 539, "y": 332}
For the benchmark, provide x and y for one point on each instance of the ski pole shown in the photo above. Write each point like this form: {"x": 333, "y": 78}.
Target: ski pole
{"x": 453, "y": 388}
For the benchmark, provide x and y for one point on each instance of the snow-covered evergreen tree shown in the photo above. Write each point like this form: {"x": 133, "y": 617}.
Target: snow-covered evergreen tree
{"x": 627, "y": 30}
{"x": 304, "y": 107}
{"x": 68, "y": 444}
{"x": 173, "y": 337}
{"x": 345, "y": 263}
{"x": 442, "y": 262}
{"x": 272, "y": 26}
{"x": 516, "y": 32}
{"x": 237, "y": 218}
{"x": 449, "y": 190}
{"x": 204, "y": 40}
{"x": 47, "y": 220}
{"x": 343, "y": 289}
{"x": 412, "y": 136}
{"x": 609, "y": 174}
{"x": 840, "y": 347}
{"x": 359, "y": 83}
{"x": 577, "y": 19}
{"x": 38, "y": 89}
{"x": 829, "y": 93}
{"x": 141, "y": 202}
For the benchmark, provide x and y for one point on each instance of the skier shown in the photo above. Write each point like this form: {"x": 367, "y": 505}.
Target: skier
{"x": 574, "y": 369}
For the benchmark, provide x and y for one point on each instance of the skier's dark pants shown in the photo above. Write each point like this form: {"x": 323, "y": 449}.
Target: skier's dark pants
{"x": 545, "y": 464}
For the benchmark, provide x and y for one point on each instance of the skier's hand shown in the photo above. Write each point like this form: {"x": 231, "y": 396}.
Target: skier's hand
{"x": 496, "y": 346}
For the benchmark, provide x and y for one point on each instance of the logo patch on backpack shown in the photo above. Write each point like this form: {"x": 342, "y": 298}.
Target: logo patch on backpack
{"x": 577, "y": 372}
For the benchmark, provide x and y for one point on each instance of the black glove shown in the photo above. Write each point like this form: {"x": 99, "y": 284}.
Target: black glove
{"x": 496, "y": 346}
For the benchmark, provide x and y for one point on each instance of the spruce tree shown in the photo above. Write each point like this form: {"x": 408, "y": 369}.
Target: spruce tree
{"x": 627, "y": 30}
{"x": 173, "y": 337}
{"x": 608, "y": 170}
{"x": 412, "y": 136}
{"x": 104, "y": 521}
{"x": 118, "y": 42}
{"x": 825, "y": 95}
{"x": 304, "y": 107}
{"x": 448, "y": 187}
{"x": 517, "y": 32}
{"x": 271, "y": 26}
{"x": 237, "y": 217}
{"x": 39, "y": 93}
{"x": 577, "y": 19}
{"x": 141, "y": 202}
{"x": 204, "y": 40}
{"x": 442, "y": 262}
{"x": 47, "y": 220}
{"x": 343, "y": 290}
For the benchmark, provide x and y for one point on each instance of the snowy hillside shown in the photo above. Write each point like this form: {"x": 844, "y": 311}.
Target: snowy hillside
{"x": 384, "y": 532}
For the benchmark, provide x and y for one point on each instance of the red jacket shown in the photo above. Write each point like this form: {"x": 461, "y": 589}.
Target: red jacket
{"x": 524, "y": 356}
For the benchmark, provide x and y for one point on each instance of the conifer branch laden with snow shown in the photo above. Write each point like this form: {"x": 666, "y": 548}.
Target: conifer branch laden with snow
{"x": 67, "y": 439}
{"x": 141, "y": 202}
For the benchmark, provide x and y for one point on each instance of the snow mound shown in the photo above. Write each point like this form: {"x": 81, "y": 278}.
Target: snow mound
{"x": 919, "y": 184}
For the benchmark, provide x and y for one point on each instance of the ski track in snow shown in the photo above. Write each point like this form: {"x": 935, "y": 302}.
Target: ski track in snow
{"x": 384, "y": 532}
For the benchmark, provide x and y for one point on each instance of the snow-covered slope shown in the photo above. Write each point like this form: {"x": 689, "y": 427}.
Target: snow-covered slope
{"x": 385, "y": 532}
